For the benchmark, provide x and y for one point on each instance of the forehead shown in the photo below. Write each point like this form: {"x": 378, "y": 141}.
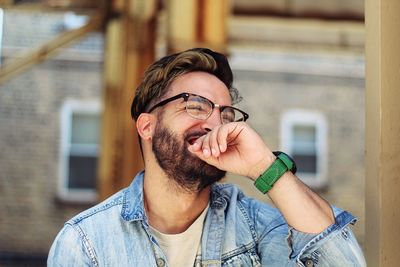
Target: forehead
{"x": 203, "y": 84}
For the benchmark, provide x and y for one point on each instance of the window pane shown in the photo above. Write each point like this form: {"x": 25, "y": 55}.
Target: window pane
{"x": 85, "y": 128}
{"x": 305, "y": 163}
{"x": 304, "y": 148}
{"x": 82, "y": 172}
{"x": 304, "y": 139}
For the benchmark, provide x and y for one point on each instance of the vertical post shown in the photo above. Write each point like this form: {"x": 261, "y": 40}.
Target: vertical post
{"x": 1, "y": 31}
{"x": 130, "y": 44}
{"x": 197, "y": 23}
{"x": 382, "y": 132}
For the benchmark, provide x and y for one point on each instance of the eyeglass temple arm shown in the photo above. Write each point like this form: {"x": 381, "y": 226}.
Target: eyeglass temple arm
{"x": 162, "y": 103}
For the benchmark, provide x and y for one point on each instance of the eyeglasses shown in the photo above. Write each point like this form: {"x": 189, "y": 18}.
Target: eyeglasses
{"x": 199, "y": 107}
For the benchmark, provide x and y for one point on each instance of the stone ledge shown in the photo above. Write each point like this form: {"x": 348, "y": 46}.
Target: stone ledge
{"x": 272, "y": 30}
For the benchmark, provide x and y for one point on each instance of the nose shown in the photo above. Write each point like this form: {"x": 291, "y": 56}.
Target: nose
{"x": 212, "y": 121}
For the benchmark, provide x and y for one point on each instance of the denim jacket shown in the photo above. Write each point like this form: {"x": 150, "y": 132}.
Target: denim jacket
{"x": 238, "y": 231}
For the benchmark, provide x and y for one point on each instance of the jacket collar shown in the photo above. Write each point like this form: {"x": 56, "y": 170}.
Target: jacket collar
{"x": 133, "y": 203}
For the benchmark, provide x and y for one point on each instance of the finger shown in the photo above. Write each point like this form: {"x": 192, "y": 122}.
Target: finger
{"x": 196, "y": 146}
{"x": 215, "y": 150}
{"x": 205, "y": 146}
{"x": 210, "y": 160}
{"x": 223, "y": 136}
{"x": 198, "y": 152}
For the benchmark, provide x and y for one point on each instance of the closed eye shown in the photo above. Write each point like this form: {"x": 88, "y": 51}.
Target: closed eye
{"x": 196, "y": 107}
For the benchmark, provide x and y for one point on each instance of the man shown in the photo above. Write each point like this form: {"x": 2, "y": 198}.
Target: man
{"x": 175, "y": 214}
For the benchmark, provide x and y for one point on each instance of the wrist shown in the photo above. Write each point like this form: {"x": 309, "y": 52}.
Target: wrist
{"x": 262, "y": 165}
{"x": 282, "y": 164}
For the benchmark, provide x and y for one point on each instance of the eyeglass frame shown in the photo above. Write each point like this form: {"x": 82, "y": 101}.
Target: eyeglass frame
{"x": 186, "y": 96}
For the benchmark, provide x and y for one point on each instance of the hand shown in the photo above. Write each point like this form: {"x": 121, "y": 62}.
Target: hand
{"x": 236, "y": 148}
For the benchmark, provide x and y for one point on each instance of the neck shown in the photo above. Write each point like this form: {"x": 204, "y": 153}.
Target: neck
{"x": 169, "y": 208}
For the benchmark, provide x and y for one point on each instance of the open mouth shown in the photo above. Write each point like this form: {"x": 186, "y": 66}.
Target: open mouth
{"x": 191, "y": 139}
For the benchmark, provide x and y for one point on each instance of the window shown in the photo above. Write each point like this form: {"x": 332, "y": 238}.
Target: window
{"x": 304, "y": 137}
{"x": 80, "y": 134}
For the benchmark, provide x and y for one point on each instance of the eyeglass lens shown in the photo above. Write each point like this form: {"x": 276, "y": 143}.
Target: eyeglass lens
{"x": 201, "y": 108}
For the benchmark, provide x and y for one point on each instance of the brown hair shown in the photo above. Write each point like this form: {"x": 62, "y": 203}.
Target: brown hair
{"x": 163, "y": 72}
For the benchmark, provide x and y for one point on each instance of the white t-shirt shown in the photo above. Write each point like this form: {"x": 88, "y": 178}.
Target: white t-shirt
{"x": 181, "y": 249}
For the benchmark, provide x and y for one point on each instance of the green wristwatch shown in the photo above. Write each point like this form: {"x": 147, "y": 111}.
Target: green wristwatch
{"x": 282, "y": 164}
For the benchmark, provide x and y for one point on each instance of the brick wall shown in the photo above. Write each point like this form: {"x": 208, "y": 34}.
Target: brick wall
{"x": 30, "y": 214}
{"x": 30, "y": 128}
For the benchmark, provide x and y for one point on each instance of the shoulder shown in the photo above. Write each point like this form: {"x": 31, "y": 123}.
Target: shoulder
{"x": 90, "y": 224}
{"x": 109, "y": 206}
{"x": 74, "y": 243}
{"x": 69, "y": 250}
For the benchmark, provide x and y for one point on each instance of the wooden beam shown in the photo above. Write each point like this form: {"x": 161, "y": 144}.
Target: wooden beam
{"x": 382, "y": 133}
{"x": 215, "y": 20}
{"x": 197, "y": 23}
{"x": 48, "y": 49}
{"x": 55, "y": 5}
{"x": 6, "y": 3}
{"x": 130, "y": 47}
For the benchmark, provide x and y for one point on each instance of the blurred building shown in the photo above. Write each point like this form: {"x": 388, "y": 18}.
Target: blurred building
{"x": 49, "y": 133}
{"x": 302, "y": 82}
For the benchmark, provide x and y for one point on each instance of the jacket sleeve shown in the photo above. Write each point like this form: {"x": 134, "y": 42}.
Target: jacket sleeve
{"x": 70, "y": 249}
{"x": 281, "y": 245}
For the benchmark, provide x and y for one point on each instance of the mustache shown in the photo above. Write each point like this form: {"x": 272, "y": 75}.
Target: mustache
{"x": 194, "y": 134}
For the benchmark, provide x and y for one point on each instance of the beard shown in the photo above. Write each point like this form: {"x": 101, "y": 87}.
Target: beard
{"x": 181, "y": 166}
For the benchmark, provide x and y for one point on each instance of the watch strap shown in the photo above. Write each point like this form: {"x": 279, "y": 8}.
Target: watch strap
{"x": 282, "y": 164}
{"x": 286, "y": 160}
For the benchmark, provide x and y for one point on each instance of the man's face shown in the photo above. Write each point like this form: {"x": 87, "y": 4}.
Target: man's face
{"x": 181, "y": 166}
{"x": 175, "y": 130}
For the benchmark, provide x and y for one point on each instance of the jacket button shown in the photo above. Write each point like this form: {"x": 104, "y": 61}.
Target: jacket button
{"x": 160, "y": 262}
{"x": 309, "y": 263}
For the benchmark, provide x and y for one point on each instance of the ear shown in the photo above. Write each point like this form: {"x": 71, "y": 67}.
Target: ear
{"x": 145, "y": 125}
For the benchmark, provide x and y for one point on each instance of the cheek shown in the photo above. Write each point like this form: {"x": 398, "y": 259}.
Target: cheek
{"x": 183, "y": 126}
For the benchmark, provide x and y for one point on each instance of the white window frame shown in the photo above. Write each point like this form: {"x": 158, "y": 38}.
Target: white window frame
{"x": 70, "y": 107}
{"x": 307, "y": 118}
